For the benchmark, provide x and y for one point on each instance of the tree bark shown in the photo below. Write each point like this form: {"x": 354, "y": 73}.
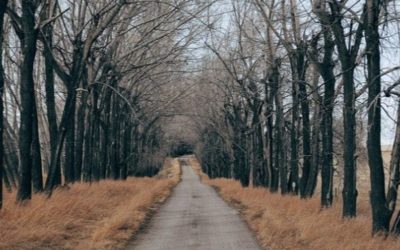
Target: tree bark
{"x": 294, "y": 168}
{"x": 50, "y": 97}
{"x": 380, "y": 212}
{"x": 51, "y": 180}
{"x": 269, "y": 153}
{"x": 88, "y": 160}
{"x": 347, "y": 54}
{"x": 3, "y": 6}
{"x": 114, "y": 167}
{"x": 27, "y": 89}
{"x": 80, "y": 133}
{"x": 259, "y": 174}
{"x": 97, "y": 169}
{"x": 315, "y": 137}
{"x": 280, "y": 167}
{"x": 349, "y": 124}
{"x": 394, "y": 174}
{"x": 326, "y": 71}
{"x": 106, "y": 133}
{"x": 37, "y": 175}
{"x": 70, "y": 140}
{"x": 305, "y": 112}
{"x": 275, "y": 161}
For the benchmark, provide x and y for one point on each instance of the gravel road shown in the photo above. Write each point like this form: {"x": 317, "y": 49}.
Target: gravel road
{"x": 195, "y": 217}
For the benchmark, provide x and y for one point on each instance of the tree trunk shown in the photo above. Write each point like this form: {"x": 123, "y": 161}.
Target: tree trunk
{"x": 98, "y": 171}
{"x": 280, "y": 164}
{"x": 10, "y": 148}
{"x": 259, "y": 174}
{"x": 114, "y": 168}
{"x": 51, "y": 180}
{"x": 27, "y": 99}
{"x": 70, "y": 140}
{"x": 3, "y": 6}
{"x": 326, "y": 71}
{"x": 80, "y": 133}
{"x": 126, "y": 134}
{"x": 349, "y": 126}
{"x": 72, "y": 85}
{"x": 294, "y": 168}
{"x": 107, "y": 140}
{"x": 315, "y": 143}
{"x": 50, "y": 100}
{"x": 135, "y": 159}
{"x": 245, "y": 176}
{"x": 239, "y": 148}
{"x": 347, "y": 53}
{"x": 37, "y": 175}
{"x": 380, "y": 212}
{"x": 305, "y": 112}
{"x": 394, "y": 174}
{"x": 269, "y": 153}
{"x": 88, "y": 147}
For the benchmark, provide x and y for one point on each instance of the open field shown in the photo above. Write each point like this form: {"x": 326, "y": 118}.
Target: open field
{"x": 286, "y": 222}
{"x": 102, "y": 215}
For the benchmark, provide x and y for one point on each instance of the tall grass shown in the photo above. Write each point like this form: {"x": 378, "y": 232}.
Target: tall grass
{"x": 101, "y": 215}
{"x": 287, "y": 222}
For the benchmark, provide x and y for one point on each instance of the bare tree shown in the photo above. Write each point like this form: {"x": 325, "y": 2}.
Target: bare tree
{"x": 3, "y": 6}
{"x": 347, "y": 53}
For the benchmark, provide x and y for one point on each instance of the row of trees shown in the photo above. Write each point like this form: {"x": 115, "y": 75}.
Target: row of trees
{"x": 293, "y": 79}
{"x": 86, "y": 87}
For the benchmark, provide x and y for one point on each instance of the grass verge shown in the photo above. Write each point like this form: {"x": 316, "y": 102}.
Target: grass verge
{"x": 103, "y": 215}
{"x": 286, "y": 222}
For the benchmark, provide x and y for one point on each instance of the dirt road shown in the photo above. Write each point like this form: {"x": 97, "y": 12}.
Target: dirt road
{"x": 195, "y": 217}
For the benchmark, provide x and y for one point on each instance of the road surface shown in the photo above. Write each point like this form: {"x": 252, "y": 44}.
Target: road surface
{"x": 195, "y": 217}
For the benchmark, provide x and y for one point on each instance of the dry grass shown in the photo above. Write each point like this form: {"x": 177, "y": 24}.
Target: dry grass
{"x": 290, "y": 223}
{"x": 103, "y": 215}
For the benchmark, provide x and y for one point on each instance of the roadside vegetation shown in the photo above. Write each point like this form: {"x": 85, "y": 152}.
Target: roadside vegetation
{"x": 296, "y": 97}
{"x": 281, "y": 222}
{"x": 301, "y": 98}
{"x": 87, "y": 89}
{"x": 101, "y": 215}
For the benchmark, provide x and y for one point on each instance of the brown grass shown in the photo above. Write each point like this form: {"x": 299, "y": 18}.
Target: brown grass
{"x": 102, "y": 215}
{"x": 285, "y": 222}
